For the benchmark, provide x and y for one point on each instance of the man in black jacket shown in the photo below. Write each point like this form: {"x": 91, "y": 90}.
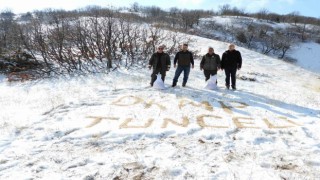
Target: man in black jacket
{"x": 184, "y": 59}
{"x": 160, "y": 63}
{"x": 231, "y": 62}
{"x": 210, "y": 63}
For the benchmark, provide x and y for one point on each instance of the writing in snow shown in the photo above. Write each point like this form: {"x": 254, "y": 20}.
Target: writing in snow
{"x": 209, "y": 119}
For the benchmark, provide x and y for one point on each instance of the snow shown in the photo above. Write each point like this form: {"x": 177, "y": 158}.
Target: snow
{"x": 211, "y": 83}
{"x": 2, "y": 78}
{"x": 307, "y": 56}
{"x": 159, "y": 84}
{"x": 132, "y": 12}
{"x": 240, "y": 22}
{"x": 116, "y": 126}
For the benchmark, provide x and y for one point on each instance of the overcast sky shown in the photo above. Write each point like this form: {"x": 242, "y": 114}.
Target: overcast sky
{"x": 305, "y": 7}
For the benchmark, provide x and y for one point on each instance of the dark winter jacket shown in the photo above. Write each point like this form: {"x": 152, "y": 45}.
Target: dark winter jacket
{"x": 210, "y": 62}
{"x": 164, "y": 63}
{"x": 184, "y": 58}
{"x": 231, "y": 60}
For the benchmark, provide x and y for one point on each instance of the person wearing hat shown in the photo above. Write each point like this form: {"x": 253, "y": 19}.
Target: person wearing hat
{"x": 230, "y": 63}
{"x": 160, "y": 63}
{"x": 210, "y": 63}
{"x": 185, "y": 61}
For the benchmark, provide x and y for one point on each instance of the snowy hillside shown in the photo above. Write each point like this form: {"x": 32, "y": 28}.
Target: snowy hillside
{"x": 116, "y": 127}
{"x": 241, "y": 21}
{"x": 306, "y": 54}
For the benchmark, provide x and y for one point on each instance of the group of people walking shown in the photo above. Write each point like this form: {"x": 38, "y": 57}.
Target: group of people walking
{"x": 230, "y": 62}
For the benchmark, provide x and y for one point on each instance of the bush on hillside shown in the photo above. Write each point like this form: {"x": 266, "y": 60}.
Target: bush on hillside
{"x": 241, "y": 37}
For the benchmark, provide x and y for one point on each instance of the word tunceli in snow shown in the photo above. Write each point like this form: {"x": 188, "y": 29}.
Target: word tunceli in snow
{"x": 202, "y": 120}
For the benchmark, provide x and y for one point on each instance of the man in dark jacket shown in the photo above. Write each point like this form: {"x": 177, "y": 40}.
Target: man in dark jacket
{"x": 160, "y": 63}
{"x": 184, "y": 59}
{"x": 231, "y": 62}
{"x": 210, "y": 63}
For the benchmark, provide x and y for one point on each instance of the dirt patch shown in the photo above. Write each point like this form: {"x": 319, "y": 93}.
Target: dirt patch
{"x": 315, "y": 87}
{"x": 288, "y": 166}
{"x": 20, "y": 67}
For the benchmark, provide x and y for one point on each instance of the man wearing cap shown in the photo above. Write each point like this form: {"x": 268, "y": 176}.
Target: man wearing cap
{"x": 184, "y": 58}
{"x": 210, "y": 63}
{"x": 230, "y": 63}
{"x": 160, "y": 63}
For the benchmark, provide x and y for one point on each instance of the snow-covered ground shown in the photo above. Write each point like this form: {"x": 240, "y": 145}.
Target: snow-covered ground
{"x": 2, "y": 78}
{"x": 307, "y": 55}
{"x": 116, "y": 127}
{"x": 240, "y": 21}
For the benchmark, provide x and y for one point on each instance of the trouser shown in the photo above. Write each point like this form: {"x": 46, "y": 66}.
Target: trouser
{"x": 154, "y": 75}
{"x": 208, "y": 73}
{"x": 231, "y": 73}
{"x": 186, "y": 72}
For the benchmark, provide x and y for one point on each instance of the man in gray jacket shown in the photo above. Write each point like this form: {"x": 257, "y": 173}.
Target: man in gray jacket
{"x": 210, "y": 63}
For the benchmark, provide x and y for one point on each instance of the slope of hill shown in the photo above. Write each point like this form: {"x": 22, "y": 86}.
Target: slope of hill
{"x": 241, "y": 21}
{"x": 306, "y": 54}
{"x": 116, "y": 127}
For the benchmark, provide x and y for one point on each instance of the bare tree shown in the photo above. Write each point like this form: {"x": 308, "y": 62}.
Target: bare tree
{"x": 294, "y": 17}
{"x": 135, "y": 7}
{"x": 7, "y": 25}
{"x": 284, "y": 41}
{"x": 175, "y": 16}
{"x": 225, "y": 9}
{"x": 263, "y": 14}
{"x": 27, "y": 17}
